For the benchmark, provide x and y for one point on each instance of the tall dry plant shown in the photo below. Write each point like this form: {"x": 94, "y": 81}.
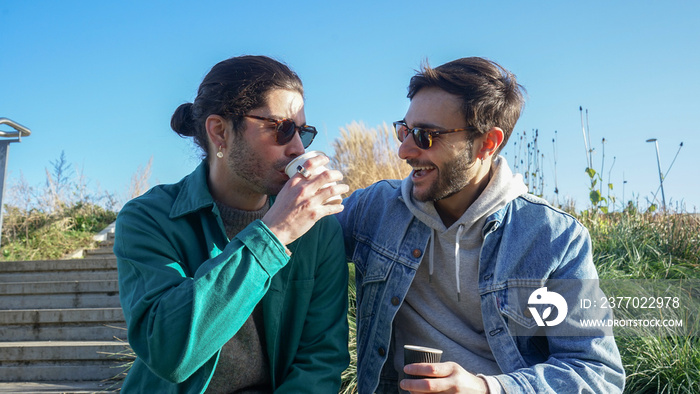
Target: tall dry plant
{"x": 139, "y": 181}
{"x": 366, "y": 155}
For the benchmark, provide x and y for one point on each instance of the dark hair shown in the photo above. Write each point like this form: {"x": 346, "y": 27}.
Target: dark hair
{"x": 490, "y": 95}
{"x": 232, "y": 89}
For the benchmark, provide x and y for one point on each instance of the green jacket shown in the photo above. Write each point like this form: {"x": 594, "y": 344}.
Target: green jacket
{"x": 186, "y": 289}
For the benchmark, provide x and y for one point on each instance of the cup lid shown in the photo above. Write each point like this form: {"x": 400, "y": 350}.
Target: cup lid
{"x": 422, "y": 349}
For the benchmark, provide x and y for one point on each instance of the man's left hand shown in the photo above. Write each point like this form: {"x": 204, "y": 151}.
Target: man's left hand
{"x": 446, "y": 377}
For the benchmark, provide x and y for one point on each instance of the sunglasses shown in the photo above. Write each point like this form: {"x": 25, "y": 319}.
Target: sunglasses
{"x": 422, "y": 137}
{"x": 286, "y": 129}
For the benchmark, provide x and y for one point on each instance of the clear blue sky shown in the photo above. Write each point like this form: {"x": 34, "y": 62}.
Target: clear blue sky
{"x": 101, "y": 79}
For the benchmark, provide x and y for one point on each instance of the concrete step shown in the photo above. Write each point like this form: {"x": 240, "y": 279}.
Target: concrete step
{"x": 81, "y": 387}
{"x": 63, "y": 351}
{"x": 67, "y": 316}
{"x": 86, "y": 286}
{"x": 59, "y": 301}
{"x": 90, "y": 264}
{"x": 62, "y": 324}
{"x": 61, "y": 360}
{"x": 59, "y": 270}
{"x": 59, "y": 276}
{"x": 62, "y": 371}
{"x": 65, "y": 332}
{"x": 103, "y": 250}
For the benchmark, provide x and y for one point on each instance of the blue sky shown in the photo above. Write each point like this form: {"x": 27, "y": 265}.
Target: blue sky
{"x": 100, "y": 80}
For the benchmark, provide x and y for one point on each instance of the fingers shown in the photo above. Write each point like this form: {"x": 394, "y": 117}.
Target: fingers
{"x": 305, "y": 200}
{"x": 435, "y": 378}
{"x": 446, "y": 377}
{"x": 431, "y": 370}
{"x": 303, "y": 171}
{"x": 316, "y": 162}
{"x": 333, "y": 194}
{"x": 315, "y": 177}
{"x": 310, "y": 167}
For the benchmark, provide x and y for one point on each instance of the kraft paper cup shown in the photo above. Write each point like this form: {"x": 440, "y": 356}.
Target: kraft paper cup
{"x": 420, "y": 354}
{"x": 291, "y": 170}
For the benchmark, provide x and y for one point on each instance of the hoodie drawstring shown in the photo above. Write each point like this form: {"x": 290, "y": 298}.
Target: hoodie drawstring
{"x": 460, "y": 230}
{"x": 457, "y": 238}
{"x": 430, "y": 259}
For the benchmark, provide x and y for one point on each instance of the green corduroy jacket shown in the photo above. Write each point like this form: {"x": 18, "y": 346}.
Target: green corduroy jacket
{"x": 186, "y": 289}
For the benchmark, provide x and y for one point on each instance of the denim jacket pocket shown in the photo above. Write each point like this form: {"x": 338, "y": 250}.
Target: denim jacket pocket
{"x": 372, "y": 265}
{"x": 529, "y": 337}
{"x": 514, "y": 306}
{"x": 372, "y": 271}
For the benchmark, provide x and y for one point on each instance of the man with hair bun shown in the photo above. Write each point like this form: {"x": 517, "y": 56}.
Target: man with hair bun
{"x": 234, "y": 279}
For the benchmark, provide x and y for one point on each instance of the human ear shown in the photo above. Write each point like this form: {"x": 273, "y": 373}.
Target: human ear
{"x": 216, "y": 130}
{"x": 490, "y": 143}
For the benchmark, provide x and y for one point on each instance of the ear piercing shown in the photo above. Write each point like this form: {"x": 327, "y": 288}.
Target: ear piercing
{"x": 220, "y": 154}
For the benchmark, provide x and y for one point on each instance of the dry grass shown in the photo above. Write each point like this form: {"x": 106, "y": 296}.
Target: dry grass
{"x": 139, "y": 181}
{"x": 366, "y": 155}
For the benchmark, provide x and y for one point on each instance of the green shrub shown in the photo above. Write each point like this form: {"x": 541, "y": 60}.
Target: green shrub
{"x": 38, "y": 235}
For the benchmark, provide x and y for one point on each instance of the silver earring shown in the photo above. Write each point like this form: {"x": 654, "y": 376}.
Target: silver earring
{"x": 220, "y": 154}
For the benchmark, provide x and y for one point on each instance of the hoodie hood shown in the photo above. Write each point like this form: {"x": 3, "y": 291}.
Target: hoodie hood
{"x": 503, "y": 187}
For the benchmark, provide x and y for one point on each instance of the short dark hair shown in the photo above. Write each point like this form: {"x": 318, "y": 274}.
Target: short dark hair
{"x": 490, "y": 94}
{"x": 232, "y": 89}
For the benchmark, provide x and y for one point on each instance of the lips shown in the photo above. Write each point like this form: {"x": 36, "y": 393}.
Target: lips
{"x": 421, "y": 171}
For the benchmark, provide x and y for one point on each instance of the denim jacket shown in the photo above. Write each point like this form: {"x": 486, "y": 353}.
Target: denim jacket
{"x": 527, "y": 244}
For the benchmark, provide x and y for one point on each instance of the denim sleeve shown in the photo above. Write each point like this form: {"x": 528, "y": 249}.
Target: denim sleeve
{"x": 347, "y": 219}
{"x": 576, "y": 364}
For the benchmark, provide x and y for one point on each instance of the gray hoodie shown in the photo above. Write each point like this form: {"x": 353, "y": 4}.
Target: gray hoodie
{"x": 442, "y": 309}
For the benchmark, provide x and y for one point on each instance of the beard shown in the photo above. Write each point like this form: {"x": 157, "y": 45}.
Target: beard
{"x": 258, "y": 174}
{"x": 452, "y": 178}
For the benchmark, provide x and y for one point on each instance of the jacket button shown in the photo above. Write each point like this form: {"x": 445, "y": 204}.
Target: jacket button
{"x": 395, "y": 301}
{"x": 417, "y": 253}
{"x": 496, "y": 331}
{"x": 381, "y": 351}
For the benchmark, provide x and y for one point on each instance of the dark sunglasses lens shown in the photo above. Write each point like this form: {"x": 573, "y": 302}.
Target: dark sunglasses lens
{"x": 400, "y": 130}
{"x": 285, "y": 131}
{"x": 422, "y": 138}
{"x": 307, "y": 135}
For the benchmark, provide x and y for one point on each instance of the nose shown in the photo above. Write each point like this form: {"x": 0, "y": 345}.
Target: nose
{"x": 408, "y": 148}
{"x": 295, "y": 147}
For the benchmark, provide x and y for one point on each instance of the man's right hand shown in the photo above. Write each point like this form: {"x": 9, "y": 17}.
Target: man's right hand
{"x": 299, "y": 205}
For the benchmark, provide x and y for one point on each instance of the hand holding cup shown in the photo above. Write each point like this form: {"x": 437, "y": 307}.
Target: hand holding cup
{"x": 420, "y": 354}
{"x": 311, "y": 193}
{"x": 297, "y": 166}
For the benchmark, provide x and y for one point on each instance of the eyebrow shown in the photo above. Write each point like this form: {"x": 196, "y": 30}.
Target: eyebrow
{"x": 426, "y": 126}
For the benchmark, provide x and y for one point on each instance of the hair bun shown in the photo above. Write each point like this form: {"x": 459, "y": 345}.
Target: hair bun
{"x": 182, "y": 121}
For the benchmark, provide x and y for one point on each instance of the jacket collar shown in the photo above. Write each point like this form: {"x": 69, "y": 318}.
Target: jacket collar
{"x": 194, "y": 193}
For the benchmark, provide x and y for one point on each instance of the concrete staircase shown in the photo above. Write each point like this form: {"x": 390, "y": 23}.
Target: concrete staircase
{"x": 61, "y": 326}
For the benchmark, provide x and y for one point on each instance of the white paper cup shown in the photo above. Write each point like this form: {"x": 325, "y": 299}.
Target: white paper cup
{"x": 420, "y": 354}
{"x": 291, "y": 170}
